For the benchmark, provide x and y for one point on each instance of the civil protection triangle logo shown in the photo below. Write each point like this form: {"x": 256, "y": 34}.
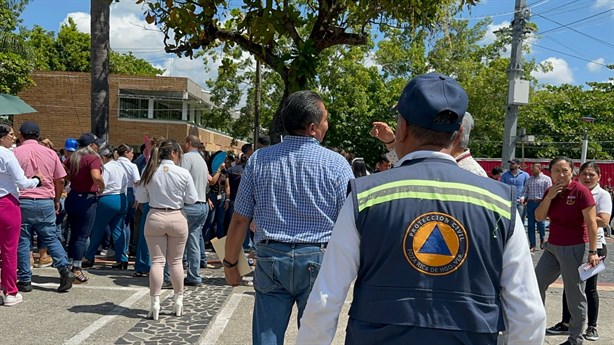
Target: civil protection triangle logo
{"x": 435, "y": 244}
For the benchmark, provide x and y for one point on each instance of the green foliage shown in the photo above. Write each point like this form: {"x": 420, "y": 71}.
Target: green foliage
{"x": 70, "y": 51}
{"x": 15, "y": 57}
{"x": 14, "y": 71}
{"x": 131, "y": 65}
{"x": 289, "y": 37}
{"x": 554, "y": 117}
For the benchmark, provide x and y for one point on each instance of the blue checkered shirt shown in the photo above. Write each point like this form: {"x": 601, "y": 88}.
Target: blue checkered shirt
{"x": 294, "y": 191}
{"x": 535, "y": 187}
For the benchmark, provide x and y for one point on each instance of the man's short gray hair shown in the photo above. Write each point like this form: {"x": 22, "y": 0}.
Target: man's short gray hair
{"x": 467, "y": 127}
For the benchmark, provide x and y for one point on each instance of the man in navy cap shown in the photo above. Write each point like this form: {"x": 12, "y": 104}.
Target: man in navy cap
{"x": 39, "y": 207}
{"x": 437, "y": 253}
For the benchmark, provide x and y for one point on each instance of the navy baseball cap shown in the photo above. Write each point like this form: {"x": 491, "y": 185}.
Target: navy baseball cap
{"x": 429, "y": 94}
{"x": 29, "y": 127}
{"x": 88, "y": 139}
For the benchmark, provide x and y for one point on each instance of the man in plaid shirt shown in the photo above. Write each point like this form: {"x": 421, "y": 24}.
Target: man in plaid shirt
{"x": 534, "y": 190}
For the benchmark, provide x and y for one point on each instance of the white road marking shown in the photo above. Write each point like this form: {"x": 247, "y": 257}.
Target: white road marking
{"x": 94, "y": 287}
{"x": 101, "y": 322}
{"x": 222, "y": 319}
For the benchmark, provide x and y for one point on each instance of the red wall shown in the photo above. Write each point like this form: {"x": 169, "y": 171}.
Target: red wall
{"x": 606, "y": 167}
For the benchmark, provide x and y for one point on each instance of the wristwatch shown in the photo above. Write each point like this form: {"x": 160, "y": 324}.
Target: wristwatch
{"x": 228, "y": 264}
{"x": 592, "y": 252}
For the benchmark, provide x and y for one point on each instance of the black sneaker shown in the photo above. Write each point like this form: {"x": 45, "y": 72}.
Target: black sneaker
{"x": 559, "y": 328}
{"x": 167, "y": 285}
{"x": 591, "y": 334}
{"x": 24, "y": 286}
{"x": 188, "y": 283}
{"x": 66, "y": 279}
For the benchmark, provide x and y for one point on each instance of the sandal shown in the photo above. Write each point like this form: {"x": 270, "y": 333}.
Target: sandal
{"x": 80, "y": 278}
{"x": 138, "y": 274}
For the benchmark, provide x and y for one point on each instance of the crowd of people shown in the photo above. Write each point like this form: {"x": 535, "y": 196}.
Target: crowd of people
{"x": 437, "y": 250}
{"x": 81, "y": 202}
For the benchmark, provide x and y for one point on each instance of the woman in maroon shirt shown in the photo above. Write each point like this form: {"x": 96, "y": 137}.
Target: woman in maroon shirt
{"x": 571, "y": 209}
{"x": 84, "y": 172}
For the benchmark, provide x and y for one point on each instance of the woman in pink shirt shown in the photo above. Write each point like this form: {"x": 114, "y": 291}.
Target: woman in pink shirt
{"x": 11, "y": 177}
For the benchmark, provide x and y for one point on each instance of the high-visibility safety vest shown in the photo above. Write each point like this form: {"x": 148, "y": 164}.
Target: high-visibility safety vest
{"x": 431, "y": 245}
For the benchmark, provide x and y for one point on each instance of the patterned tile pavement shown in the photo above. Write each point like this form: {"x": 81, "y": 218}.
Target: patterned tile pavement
{"x": 201, "y": 304}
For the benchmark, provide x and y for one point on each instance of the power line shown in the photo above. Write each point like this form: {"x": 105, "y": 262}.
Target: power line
{"x": 580, "y": 32}
{"x": 577, "y": 21}
{"x": 500, "y": 14}
{"x": 570, "y": 55}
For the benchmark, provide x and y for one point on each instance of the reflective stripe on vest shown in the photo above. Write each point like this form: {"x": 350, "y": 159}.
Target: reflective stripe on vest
{"x": 434, "y": 190}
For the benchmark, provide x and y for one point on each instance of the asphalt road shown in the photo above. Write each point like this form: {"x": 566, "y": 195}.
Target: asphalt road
{"x": 111, "y": 309}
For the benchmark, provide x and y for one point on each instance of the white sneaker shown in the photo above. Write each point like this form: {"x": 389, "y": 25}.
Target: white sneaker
{"x": 12, "y": 300}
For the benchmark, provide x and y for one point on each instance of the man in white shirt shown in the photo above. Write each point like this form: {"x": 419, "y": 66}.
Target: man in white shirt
{"x": 195, "y": 213}
{"x": 449, "y": 261}
{"x": 461, "y": 152}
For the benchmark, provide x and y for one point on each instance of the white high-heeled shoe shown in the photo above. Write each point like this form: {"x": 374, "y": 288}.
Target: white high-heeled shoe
{"x": 154, "y": 310}
{"x": 178, "y": 306}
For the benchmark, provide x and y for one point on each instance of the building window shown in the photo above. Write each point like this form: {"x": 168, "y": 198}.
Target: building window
{"x": 167, "y": 110}
{"x": 133, "y": 108}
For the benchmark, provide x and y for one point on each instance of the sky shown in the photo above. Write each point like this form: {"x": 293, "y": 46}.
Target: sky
{"x": 575, "y": 36}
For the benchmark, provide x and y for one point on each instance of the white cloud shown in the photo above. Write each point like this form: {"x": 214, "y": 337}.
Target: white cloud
{"x": 595, "y": 65}
{"x": 129, "y": 32}
{"x": 489, "y": 36}
{"x": 603, "y": 4}
{"x": 561, "y": 73}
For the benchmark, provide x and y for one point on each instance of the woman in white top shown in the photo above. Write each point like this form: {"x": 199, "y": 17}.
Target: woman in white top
{"x": 11, "y": 178}
{"x": 166, "y": 187}
{"x": 126, "y": 154}
{"x": 111, "y": 210}
{"x": 590, "y": 174}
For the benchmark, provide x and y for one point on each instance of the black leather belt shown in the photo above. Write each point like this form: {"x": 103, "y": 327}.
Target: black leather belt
{"x": 165, "y": 208}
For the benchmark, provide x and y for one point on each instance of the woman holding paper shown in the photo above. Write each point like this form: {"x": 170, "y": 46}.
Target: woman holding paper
{"x": 590, "y": 174}
{"x": 571, "y": 209}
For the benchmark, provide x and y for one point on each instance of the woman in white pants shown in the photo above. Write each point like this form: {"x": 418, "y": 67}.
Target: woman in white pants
{"x": 166, "y": 187}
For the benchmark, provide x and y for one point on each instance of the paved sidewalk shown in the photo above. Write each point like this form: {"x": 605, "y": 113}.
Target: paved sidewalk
{"x": 111, "y": 309}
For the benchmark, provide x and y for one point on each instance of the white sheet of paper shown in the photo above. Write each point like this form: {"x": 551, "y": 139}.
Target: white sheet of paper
{"x": 219, "y": 245}
{"x": 586, "y": 271}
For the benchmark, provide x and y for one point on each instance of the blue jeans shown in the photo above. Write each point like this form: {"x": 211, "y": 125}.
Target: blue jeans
{"x": 142, "y": 261}
{"x": 38, "y": 216}
{"x": 217, "y": 221}
{"x": 522, "y": 210}
{"x": 196, "y": 215}
{"x": 531, "y": 207}
{"x": 110, "y": 213}
{"x": 128, "y": 220}
{"x": 59, "y": 222}
{"x": 284, "y": 275}
{"x": 206, "y": 235}
{"x": 81, "y": 210}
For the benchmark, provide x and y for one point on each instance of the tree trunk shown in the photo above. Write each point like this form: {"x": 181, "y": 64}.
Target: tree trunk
{"x": 99, "y": 66}
{"x": 277, "y": 129}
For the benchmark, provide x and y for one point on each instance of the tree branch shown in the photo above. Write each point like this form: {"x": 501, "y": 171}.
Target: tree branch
{"x": 339, "y": 36}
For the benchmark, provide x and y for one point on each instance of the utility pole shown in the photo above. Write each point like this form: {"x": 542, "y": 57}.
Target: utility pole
{"x": 257, "y": 106}
{"x": 516, "y": 85}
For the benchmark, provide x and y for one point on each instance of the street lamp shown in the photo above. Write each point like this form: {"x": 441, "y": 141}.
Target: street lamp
{"x": 586, "y": 119}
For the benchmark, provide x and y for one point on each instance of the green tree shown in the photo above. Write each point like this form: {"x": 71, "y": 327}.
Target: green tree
{"x": 555, "y": 114}
{"x": 15, "y": 57}
{"x": 287, "y": 36}
{"x": 70, "y": 51}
